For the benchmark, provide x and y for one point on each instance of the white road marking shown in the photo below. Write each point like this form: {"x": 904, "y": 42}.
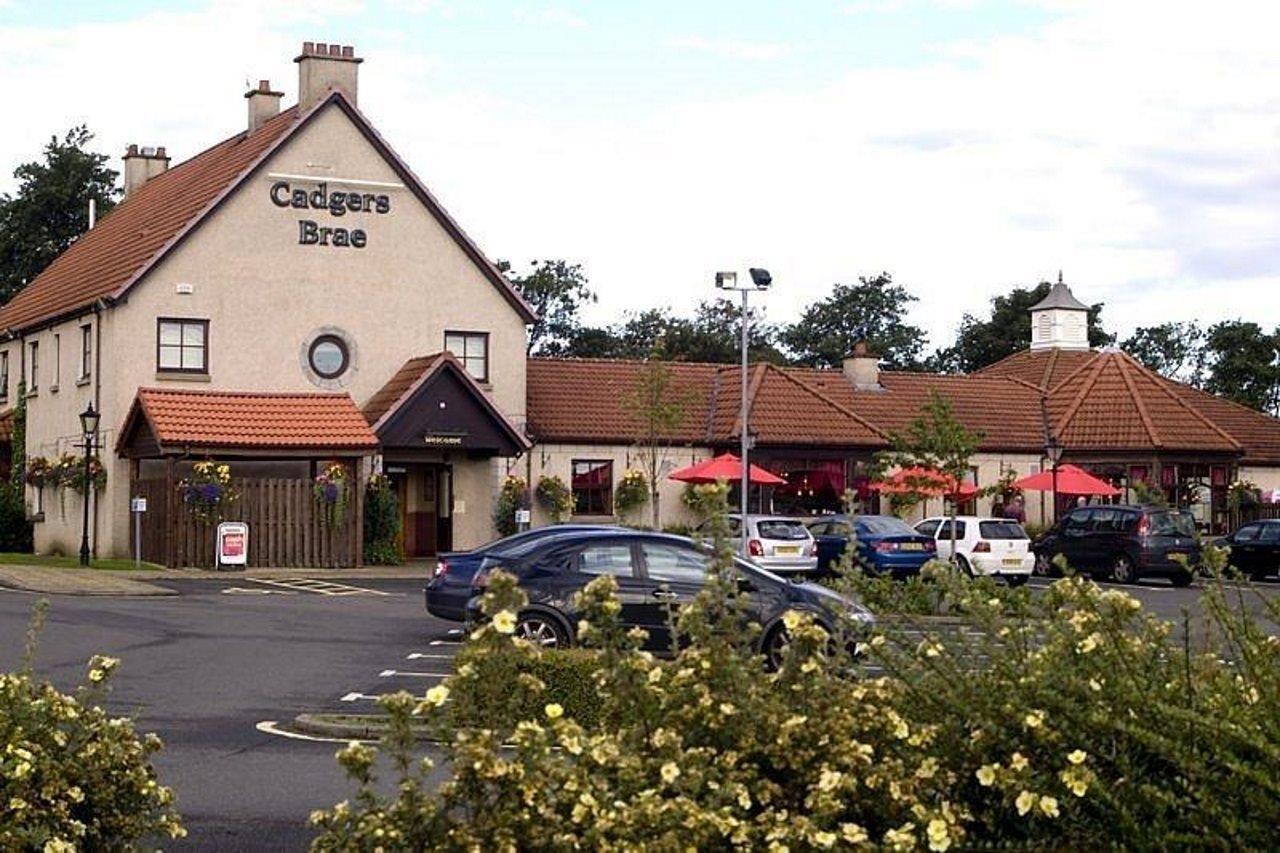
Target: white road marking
{"x": 271, "y": 727}
{"x": 319, "y": 587}
{"x": 422, "y": 656}
{"x": 445, "y": 643}
{"x": 456, "y": 632}
{"x": 355, "y": 697}
{"x": 400, "y": 673}
{"x": 239, "y": 590}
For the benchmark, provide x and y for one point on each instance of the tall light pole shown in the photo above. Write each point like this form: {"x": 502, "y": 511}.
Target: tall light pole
{"x": 1053, "y": 450}
{"x": 760, "y": 280}
{"x": 89, "y": 427}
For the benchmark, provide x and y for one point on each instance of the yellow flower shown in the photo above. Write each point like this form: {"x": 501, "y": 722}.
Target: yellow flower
{"x": 504, "y": 622}
{"x": 670, "y": 772}
{"x": 829, "y": 780}
{"x": 1026, "y": 800}
{"x": 824, "y": 839}
{"x": 1017, "y": 762}
{"x": 1088, "y": 644}
{"x": 853, "y": 833}
{"x": 1076, "y": 781}
{"x": 1095, "y": 685}
{"x": 791, "y": 620}
{"x": 437, "y": 695}
{"x": 554, "y": 711}
{"x": 1049, "y": 805}
{"x": 939, "y": 837}
{"x": 1077, "y": 756}
{"x": 987, "y": 775}
{"x": 1033, "y": 719}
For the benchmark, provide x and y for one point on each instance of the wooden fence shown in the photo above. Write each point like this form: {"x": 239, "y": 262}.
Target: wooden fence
{"x": 285, "y": 526}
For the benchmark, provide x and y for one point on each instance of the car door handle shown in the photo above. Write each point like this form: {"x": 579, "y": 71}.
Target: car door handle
{"x": 664, "y": 594}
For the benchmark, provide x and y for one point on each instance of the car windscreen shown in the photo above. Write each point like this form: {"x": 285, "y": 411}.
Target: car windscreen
{"x": 883, "y": 526}
{"x": 1001, "y": 530}
{"x": 781, "y": 528}
{"x": 1172, "y": 524}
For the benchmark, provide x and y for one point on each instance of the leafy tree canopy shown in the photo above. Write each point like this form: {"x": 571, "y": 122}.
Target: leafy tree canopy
{"x": 557, "y": 290}
{"x": 1175, "y": 350}
{"x": 712, "y": 334}
{"x": 874, "y": 309}
{"x": 1244, "y": 364}
{"x": 51, "y": 207}
{"x": 983, "y": 342}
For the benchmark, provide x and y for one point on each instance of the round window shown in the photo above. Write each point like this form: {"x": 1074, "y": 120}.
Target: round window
{"x": 329, "y": 356}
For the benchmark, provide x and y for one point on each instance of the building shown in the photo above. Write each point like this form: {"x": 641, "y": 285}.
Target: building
{"x": 821, "y": 429}
{"x": 289, "y": 298}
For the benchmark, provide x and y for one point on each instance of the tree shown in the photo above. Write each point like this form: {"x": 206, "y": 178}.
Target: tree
{"x": 557, "y": 290}
{"x": 712, "y": 334}
{"x": 1175, "y": 350}
{"x": 935, "y": 441}
{"x": 874, "y": 310}
{"x": 1244, "y": 364}
{"x": 983, "y": 342}
{"x": 658, "y": 406}
{"x": 51, "y": 207}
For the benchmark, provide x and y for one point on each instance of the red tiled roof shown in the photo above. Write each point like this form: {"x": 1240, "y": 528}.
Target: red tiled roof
{"x": 1042, "y": 368}
{"x": 137, "y": 233}
{"x": 244, "y": 420}
{"x": 1257, "y": 433}
{"x": 397, "y": 387}
{"x": 141, "y": 228}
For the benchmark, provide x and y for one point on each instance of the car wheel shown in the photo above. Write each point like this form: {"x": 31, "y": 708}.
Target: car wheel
{"x": 1044, "y": 566}
{"x": 541, "y": 630}
{"x": 1017, "y": 580}
{"x": 964, "y": 566}
{"x": 775, "y": 647}
{"x": 1182, "y": 578}
{"x": 1123, "y": 570}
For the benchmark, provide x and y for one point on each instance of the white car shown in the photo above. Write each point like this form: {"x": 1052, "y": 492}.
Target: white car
{"x": 776, "y": 543}
{"x": 984, "y": 546}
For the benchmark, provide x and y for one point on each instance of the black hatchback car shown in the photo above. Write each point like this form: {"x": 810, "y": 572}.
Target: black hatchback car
{"x": 654, "y": 572}
{"x": 1255, "y": 548}
{"x": 1123, "y": 543}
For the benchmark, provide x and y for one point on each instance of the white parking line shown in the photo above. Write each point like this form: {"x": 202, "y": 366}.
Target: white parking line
{"x": 445, "y": 643}
{"x": 400, "y": 673}
{"x": 356, "y": 697}
{"x": 240, "y": 590}
{"x": 422, "y": 656}
{"x": 272, "y": 727}
{"x": 319, "y": 587}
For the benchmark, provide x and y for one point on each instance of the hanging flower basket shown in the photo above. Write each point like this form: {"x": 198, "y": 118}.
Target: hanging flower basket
{"x": 555, "y": 497}
{"x": 207, "y": 492}
{"x": 331, "y": 489}
{"x": 632, "y": 491}
{"x": 39, "y": 472}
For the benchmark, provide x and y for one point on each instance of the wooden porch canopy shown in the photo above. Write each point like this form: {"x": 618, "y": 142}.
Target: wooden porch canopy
{"x": 433, "y": 403}
{"x": 163, "y": 423}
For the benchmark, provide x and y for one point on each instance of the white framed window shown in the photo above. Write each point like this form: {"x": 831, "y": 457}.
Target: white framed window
{"x": 33, "y": 368}
{"x": 472, "y": 349}
{"x": 86, "y": 351}
{"x": 182, "y": 345}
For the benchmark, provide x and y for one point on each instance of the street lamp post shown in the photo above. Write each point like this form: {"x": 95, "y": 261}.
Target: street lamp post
{"x": 1053, "y": 450}
{"x": 760, "y": 280}
{"x": 89, "y": 428}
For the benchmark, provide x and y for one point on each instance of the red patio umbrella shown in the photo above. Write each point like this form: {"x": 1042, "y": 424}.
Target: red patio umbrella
{"x": 724, "y": 467}
{"x": 1071, "y": 481}
{"x": 925, "y": 481}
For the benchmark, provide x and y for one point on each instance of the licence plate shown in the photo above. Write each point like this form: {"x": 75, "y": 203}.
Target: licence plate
{"x": 1011, "y": 561}
{"x": 911, "y": 546}
{"x": 786, "y": 549}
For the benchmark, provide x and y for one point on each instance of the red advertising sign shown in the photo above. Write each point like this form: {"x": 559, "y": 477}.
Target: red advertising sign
{"x": 233, "y": 543}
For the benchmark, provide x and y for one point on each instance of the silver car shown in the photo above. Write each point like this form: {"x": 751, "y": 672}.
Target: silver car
{"x": 775, "y": 543}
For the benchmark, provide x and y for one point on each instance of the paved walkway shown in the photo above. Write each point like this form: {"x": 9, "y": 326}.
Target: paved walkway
{"x": 64, "y": 581}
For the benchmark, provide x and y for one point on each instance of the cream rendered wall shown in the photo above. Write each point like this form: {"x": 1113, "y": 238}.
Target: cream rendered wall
{"x": 557, "y": 460}
{"x": 475, "y": 484}
{"x": 53, "y": 428}
{"x": 265, "y": 295}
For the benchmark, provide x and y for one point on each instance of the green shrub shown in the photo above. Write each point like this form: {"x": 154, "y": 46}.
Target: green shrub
{"x": 938, "y": 590}
{"x": 15, "y": 529}
{"x": 381, "y": 523}
{"x": 72, "y": 777}
{"x": 1073, "y": 720}
{"x": 555, "y": 497}
{"x": 513, "y": 495}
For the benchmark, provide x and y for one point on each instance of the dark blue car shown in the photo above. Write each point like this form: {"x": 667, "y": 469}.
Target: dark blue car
{"x": 450, "y": 587}
{"x": 885, "y": 544}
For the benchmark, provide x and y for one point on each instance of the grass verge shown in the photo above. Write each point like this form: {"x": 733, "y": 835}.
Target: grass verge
{"x": 106, "y": 565}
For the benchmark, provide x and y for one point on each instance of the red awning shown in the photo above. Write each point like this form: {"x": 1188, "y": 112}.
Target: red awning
{"x": 1071, "y": 481}
{"x": 724, "y": 467}
{"x": 925, "y": 481}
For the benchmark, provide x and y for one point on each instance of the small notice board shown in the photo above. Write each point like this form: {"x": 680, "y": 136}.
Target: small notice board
{"x": 232, "y": 544}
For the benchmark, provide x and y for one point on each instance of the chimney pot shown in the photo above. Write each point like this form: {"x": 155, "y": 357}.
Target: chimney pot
{"x": 324, "y": 67}
{"x": 263, "y": 104}
{"x": 141, "y": 165}
{"x": 862, "y": 368}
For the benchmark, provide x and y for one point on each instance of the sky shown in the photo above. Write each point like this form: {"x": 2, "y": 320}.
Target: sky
{"x": 964, "y": 146}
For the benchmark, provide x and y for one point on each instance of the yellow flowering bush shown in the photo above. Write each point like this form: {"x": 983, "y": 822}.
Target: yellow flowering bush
{"x": 994, "y": 729}
{"x": 72, "y": 777}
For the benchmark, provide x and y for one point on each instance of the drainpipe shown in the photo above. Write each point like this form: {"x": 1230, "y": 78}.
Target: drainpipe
{"x": 98, "y": 305}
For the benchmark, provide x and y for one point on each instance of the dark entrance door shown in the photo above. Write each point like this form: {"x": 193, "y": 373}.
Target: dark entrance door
{"x": 425, "y": 492}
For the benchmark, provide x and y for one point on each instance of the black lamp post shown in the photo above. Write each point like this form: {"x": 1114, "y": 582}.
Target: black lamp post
{"x": 89, "y": 427}
{"x": 1053, "y": 450}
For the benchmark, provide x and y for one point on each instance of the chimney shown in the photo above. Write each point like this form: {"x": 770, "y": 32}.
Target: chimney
{"x": 323, "y": 68}
{"x": 863, "y": 368}
{"x": 263, "y": 104}
{"x": 141, "y": 165}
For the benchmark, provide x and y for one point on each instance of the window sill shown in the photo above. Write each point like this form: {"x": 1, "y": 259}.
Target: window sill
{"x": 83, "y": 381}
{"x": 164, "y": 376}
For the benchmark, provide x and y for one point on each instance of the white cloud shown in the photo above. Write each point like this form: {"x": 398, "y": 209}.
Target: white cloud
{"x": 732, "y": 48}
{"x": 550, "y": 15}
{"x": 1134, "y": 145}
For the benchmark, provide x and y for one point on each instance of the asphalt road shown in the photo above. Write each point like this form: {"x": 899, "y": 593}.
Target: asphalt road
{"x": 204, "y": 669}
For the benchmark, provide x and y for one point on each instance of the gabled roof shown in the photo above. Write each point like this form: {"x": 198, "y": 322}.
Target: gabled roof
{"x": 479, "y": 425}
{"x": 180, "y": 421}
{"x": 109, "y": 259}
{"x": 1059, "y": 296}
